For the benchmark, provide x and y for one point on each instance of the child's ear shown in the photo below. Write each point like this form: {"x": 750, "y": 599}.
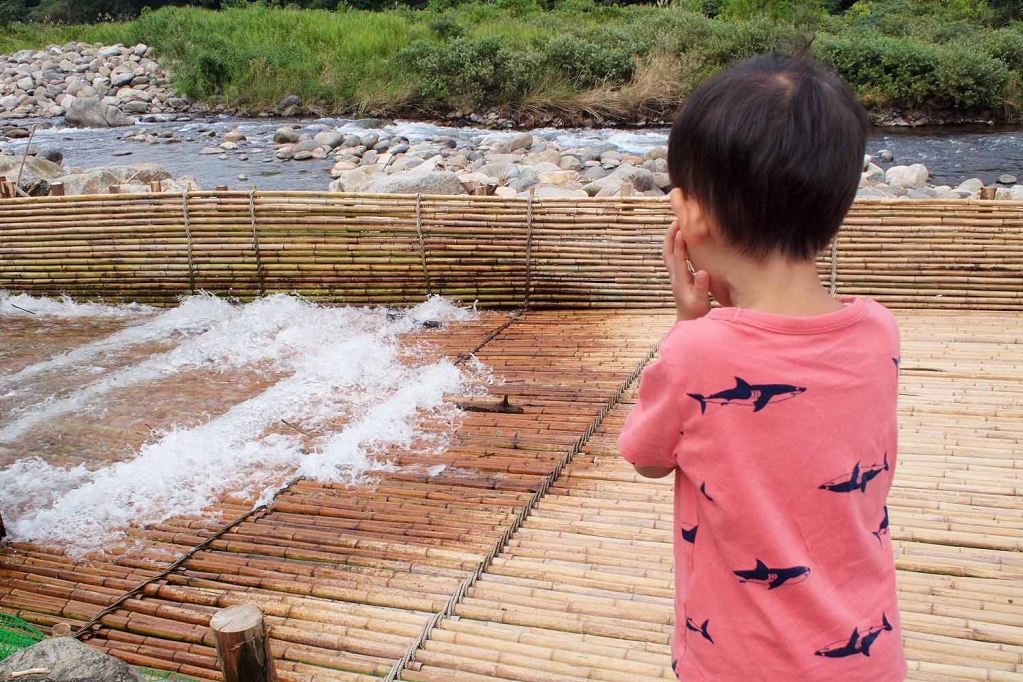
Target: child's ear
{"x": 691, "y": 218}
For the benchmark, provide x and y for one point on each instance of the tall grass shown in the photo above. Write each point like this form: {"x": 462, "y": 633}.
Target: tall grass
{"x": 579, "y": 59}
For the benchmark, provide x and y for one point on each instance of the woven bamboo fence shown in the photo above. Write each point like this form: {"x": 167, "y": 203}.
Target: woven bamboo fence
{"x": 389, "y": 249}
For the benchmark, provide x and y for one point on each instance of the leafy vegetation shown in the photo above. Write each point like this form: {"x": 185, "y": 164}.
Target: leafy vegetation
{"x": 567, "y": 58}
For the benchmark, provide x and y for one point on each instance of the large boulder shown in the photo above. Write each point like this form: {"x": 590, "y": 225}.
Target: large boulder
{"x": 641, "y": 180}
{"x": 286, "y": 136}
{"x": 907, "y": 177}
{"x": 100, "y": 180}
{"x": 36, "y": 177}
{"x": 436, "y": 182}
{"x": 354, "y": 180}
{"x": 67, "y": 660}
{"x": 89, "y": 112}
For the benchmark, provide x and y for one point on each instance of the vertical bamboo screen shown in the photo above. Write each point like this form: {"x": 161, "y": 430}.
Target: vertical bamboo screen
{"x": 390, "y": 249}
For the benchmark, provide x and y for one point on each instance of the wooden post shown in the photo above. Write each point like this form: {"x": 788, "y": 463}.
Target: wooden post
{"x": 243, "y": 648}
{"x": 988, "y": 192}
{"x": 155, "y": 186}
{"x": 627, "y": 189}
{"x": 57, "y": 189}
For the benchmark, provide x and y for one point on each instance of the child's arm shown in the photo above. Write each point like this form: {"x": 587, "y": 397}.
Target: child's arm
{"x": 652, "y": 429}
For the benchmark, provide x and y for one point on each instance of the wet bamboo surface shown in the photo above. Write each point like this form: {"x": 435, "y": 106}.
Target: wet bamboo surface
{"x": 350, "y": 576}
{"x": 395, "y": 249}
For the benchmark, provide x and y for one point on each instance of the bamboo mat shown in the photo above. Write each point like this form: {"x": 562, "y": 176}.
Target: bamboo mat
{"x": 550, "y": 252}
{"x": 352, "y": 577}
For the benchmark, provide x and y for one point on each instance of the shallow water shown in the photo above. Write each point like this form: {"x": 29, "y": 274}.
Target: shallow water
{"x": 951, "y": 154}
{"x": 113, "y": 416}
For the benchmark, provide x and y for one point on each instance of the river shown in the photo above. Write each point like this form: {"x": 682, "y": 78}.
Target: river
{"x": 951, "y": 154}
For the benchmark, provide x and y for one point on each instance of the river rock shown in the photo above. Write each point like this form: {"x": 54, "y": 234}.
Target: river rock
{"x": 17, "y": 133}
{"x": 560, "y": 178}
{"x": 355, "y": 180}
{"x": 286, "y": 136}
{"x": 91, "y": 113}
{"x": 884, "y": 156}
{"x": 305, "y": 146}
{"x": 303, "y": 155}
{"x": 553, "y": 191}
{"x": 330, "y": 138}
{"x": 502, "y": 172}
{"x": 641, "y": 180}
{"x": 439, "y": 182}
{"x": 657, "y": 153}
{"x": 1007, "y": 179}
{"x": 970, "y": 186}
{"x": 522, "y": 141}
{"x": 234, "y": 136}
{"x": 100, "y": 180}
{"x": 37, "y": 176}
{"x": 569, "y": 162}
{"x": 66, "y": 660}
{"x": 50, "y": 154}
{"x": 907, "y": 177}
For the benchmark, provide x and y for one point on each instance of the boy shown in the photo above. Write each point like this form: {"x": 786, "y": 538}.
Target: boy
{"x": 777, "y": 411}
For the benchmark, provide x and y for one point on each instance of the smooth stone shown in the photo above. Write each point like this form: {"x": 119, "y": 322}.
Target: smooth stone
{"x": 1007, "y": 179}
{"x": 972, "y": 185}
{"x": 65, "y": 659}
{"x": 440, "y": 182}
{"x": 907, "y": 177}
{"x": 234, "y": 136}
{"x": 330, "y": 138}
{"x": 286, "y": 136}
{"x": 303, "y": 155}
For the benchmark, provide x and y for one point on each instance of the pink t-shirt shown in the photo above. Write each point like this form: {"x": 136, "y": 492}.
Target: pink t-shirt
{"x": 784, "y": 436}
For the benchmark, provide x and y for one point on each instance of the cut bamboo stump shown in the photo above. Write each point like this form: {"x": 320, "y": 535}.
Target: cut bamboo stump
{"x": 243, "y": 648}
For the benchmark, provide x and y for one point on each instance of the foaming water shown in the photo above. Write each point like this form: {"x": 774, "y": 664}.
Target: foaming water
{"x": 343, "y": 385}
{"x": 23, "y": 305}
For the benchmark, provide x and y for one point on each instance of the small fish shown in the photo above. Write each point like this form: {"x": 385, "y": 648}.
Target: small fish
{"x": 856, "y": 644}
{"x": 689, "y": 535}
{"x": 757, "y": 396}
{"x": 702, "y": 629}
{"x": 883, "y": 528}
{"x": 772, "y": 577}
{"x": 858, "y": 479}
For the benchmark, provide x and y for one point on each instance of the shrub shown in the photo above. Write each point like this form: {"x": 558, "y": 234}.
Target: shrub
{"x": 447, "y": 28}
{"x": 588, "y": 64}
{"x": 1005, "y": 45}
{"x": 971, "y": 80}
{"x": 464, "y": 71}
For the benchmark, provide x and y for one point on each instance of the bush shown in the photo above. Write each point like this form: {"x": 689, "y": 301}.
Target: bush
{"x": 447, "y": 28}
{"x": 464, "y": 72}
{"x": 588, "y": 64}
{"x": 971, "y": 80}
{"x": 1005, "y": 45}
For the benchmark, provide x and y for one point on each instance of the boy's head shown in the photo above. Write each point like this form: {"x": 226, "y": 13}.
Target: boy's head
{"x": 766, "y": 156}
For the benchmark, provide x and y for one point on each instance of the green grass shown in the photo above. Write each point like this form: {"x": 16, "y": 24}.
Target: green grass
{"x": 578, "y": 59}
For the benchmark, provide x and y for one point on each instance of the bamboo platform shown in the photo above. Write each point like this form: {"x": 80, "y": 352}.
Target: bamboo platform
{"x": 362, "y": 249}
{"x": 536, "y": 554}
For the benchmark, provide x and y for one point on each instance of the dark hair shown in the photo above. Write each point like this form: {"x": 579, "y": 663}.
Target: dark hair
{"x": 772, "y": 149}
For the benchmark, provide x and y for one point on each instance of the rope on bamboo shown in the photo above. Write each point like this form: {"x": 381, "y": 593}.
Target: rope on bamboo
{"x": 255, "y": 243}
{"x": 188, "y": 234}
{"x": 529, "y": 247}
{"x": 422, "y": 242}
{"x": 834, "y": 264}
{"x": 520, "y": 518}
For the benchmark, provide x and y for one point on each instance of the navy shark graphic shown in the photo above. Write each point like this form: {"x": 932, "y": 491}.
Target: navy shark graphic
{"x": 674, "y": 667}
{"x": 703, "y": 489}
{"x": 858, "y": 479}
{"x": 857, "y": 644}
{"x": 756, "y": 395}
{"x": 773, "y": 577}
{"x": 898, "y": 362}
{"x": 702, "y": 629}
{"x": 883, "y": 528}
{"x": 689, "y": 535}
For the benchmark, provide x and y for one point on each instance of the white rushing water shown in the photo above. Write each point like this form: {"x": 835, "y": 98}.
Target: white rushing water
{"x": 339, "y": 374}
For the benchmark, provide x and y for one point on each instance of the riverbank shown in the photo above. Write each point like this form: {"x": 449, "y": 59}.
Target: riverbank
{"x": 513, "y": 64}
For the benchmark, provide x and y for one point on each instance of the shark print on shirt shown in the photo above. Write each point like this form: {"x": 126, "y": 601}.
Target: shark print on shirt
{"x": 883, "y": 528}
{"x": 689, "y": 534}
{"x": 773, "y": 577}
{"x": 857, "y": 644}
{"x": 757, "y": 396}
{"x": 858, "y": 479}
{"x": 703, "y": 489}
{"x": 702, "y": 629}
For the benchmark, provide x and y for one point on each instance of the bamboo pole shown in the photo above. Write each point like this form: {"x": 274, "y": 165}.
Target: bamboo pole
{"x": 243, "y": 647}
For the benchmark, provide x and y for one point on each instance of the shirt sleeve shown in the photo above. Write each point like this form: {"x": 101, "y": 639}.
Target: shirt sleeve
{"x": 652, "y": 429}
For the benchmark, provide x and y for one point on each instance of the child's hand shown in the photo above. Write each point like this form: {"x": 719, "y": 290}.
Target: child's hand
{"x": 692, "y": 292}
